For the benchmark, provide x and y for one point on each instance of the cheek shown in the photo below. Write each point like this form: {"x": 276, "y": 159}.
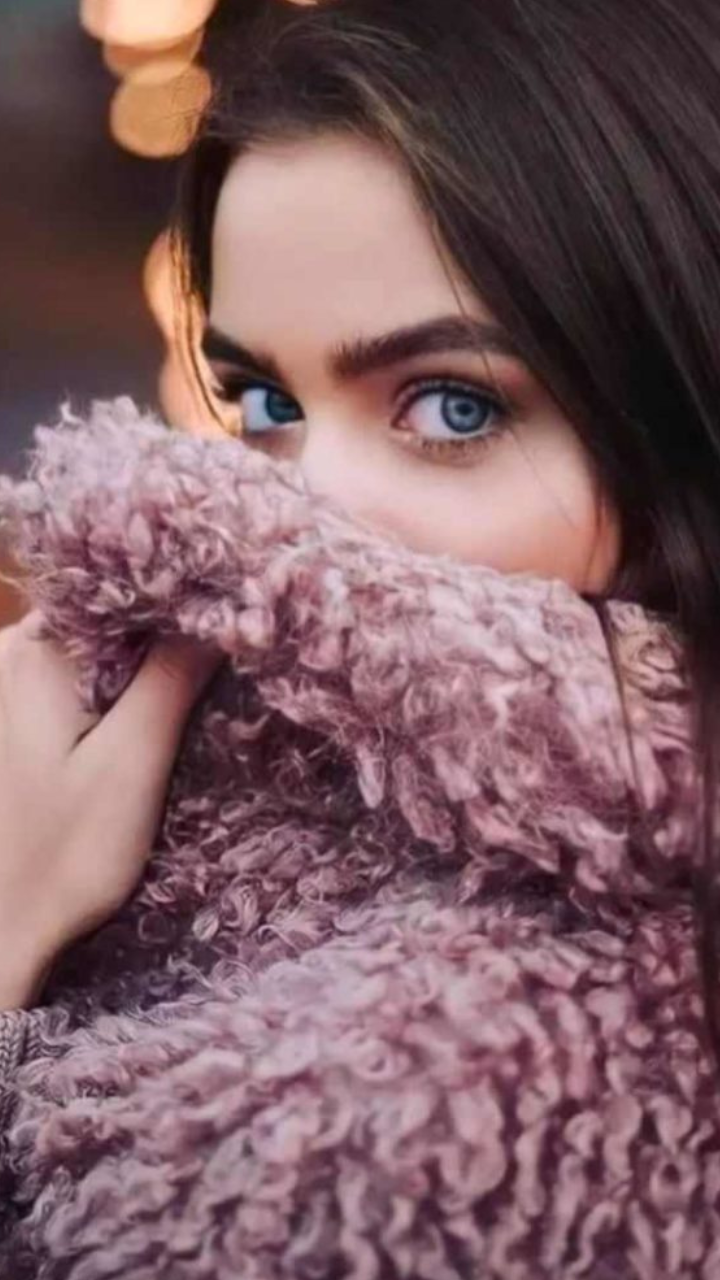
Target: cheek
{"x": 520, "y": 509}
{"x": 527, "y": 505}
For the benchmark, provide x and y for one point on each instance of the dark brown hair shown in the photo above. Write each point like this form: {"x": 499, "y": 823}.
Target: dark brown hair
{"x": 567, "y": 155}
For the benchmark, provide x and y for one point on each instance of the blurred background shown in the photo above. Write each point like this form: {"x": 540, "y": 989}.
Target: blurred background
{"x": 96, "y": 103}
{"x": 77, "y": 215}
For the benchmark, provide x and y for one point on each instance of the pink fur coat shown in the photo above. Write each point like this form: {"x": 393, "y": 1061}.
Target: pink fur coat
{"x": 408, "y": 988}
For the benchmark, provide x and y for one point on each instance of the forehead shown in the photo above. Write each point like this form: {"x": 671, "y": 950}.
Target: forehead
{"x": 325, "y": 232}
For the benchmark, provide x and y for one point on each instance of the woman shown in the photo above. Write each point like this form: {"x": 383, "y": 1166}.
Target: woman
{"x": 459, "y": 265}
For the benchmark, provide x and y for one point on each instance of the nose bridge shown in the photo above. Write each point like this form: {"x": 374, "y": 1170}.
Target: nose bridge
{"x": 335, "y": 459}
{"x": 345, "y": 461}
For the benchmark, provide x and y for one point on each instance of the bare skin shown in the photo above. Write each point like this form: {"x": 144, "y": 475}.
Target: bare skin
{"x": 80, "y": 796}
{"x": 316, "y": 244}
{"x": 319, "y": 242}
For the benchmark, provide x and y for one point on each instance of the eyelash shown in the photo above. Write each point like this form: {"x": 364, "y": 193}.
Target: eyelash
{"x": 231, "y": 389}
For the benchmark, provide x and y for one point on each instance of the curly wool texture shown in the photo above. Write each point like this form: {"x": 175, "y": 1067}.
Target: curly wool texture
{"x": 408, "y": 988}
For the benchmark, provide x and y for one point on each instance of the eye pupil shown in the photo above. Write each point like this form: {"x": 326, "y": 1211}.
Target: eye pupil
{"x": 463, "y": 412}
{"x": 281, "y": 406}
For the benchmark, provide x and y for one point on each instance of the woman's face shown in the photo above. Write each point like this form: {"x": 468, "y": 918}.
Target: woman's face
{"x": 338, "y": 332}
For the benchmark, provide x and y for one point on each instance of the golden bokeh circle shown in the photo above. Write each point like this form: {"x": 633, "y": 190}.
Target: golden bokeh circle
{"x": 144, "y": 22}
{"x": 158, "y": 118}
{"x": 123, "y": 60}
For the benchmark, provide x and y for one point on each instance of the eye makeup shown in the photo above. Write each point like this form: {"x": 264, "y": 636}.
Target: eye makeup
{"x": 231, "y": 388}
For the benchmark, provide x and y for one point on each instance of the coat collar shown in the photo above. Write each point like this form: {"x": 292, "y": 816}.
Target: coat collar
{"x": 476, "y": 714}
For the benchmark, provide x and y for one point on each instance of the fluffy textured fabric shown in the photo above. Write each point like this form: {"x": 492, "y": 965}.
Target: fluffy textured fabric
{"x": 408, "y": 988}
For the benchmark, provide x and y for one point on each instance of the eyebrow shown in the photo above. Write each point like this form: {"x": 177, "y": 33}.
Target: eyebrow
{"x": 350, "y": 360}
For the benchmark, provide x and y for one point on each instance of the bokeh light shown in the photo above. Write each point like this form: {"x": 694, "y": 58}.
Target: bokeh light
{"x": 123, "y": 59}
{"x": 151, "y": 46}
{"x": 144, "y": 22}
{"x": 158, "y": 117}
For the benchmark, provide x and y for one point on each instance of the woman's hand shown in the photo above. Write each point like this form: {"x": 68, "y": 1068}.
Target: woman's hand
{"x": 81, "y": 797}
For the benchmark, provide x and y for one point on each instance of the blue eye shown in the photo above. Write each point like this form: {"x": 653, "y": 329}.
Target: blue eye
{"x": 459, "y": 416}
{"x": 254, "y": 398}
{"x": 451, "y": 412}
{"x": 257, "y": 401}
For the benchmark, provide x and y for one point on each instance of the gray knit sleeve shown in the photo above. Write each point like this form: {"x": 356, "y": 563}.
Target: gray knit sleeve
{"x": 18, "y": 1042}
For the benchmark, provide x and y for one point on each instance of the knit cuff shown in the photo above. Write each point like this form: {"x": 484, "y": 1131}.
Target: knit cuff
{"x": 18, "y": 1036}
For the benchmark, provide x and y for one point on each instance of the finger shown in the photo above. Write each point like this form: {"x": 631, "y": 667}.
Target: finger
{"x": 149, "y": 717}
{"x": 41, "y": 708}
{"x": 32, "y": 623}
{"x": 25, "y": 627}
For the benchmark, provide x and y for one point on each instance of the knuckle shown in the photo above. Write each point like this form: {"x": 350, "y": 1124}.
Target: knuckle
{"x": 15, "y": 635}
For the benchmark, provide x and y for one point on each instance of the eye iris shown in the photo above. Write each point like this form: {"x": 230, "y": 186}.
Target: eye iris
{"x": 281, "y": 405}
{"x": 463, "y": 412}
